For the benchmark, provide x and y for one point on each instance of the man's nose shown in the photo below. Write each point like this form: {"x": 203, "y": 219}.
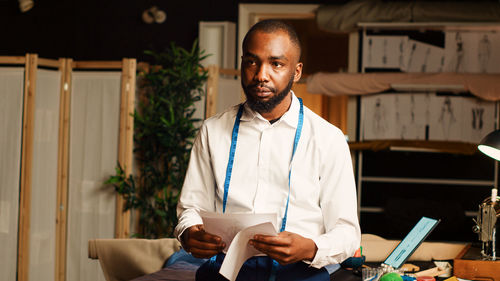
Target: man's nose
{"x": 262, "y": 74}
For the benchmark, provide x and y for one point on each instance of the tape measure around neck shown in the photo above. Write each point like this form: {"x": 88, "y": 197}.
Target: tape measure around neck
{"x": 232, "y": 151}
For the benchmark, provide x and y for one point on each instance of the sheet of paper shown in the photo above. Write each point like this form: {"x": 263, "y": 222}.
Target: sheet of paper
{"x": 240, "y": 250}
{"x": 227, "y": 226}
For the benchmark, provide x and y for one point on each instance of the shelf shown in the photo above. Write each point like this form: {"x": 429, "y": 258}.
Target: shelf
{"x": 416, "y": 146}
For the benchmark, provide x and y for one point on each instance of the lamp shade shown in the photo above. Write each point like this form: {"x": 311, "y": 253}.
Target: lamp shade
{"x": 490, "y": 145}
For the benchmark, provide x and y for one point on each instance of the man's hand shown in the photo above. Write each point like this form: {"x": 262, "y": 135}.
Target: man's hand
{"x": 286, "y": 247}
{"x": 201, "y": 244}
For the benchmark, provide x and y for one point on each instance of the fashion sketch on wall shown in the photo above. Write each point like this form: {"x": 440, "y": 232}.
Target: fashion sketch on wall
{"x": 384, "y": 51}
{"x": 423, "y": 57}
{"x": 472, "y": 52}
{"x": 425, "y": 116}
{"x": 393, "y": 116}
{"x": 463, "y": 119}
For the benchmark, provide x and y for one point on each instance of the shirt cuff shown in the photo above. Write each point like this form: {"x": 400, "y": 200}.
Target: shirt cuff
{"x": 325, "y": 254}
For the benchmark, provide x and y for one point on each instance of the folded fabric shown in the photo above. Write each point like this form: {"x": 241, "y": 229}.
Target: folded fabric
{"x": 125, "y": 259}
{"x": 377, "y": 249}
{"x": 484, "y": 86}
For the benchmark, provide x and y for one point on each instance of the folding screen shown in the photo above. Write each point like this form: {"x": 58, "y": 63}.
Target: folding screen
{"x": 42, "y": 165}
{"x": 93, "y": 154}
{"x": 42, "y": 234}
{"x": 11, "y": 108}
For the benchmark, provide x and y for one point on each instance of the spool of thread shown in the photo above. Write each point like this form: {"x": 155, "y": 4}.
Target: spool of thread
{"x": 425, "y": 278}
{"x": 392, "y": 276}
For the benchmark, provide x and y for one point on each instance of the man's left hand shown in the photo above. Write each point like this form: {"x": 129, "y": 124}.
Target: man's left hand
{"x": 286, "y": 247}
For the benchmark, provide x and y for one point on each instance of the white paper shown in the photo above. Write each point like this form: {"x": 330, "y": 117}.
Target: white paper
{"x": 473, "y": 52}
{"x": 384, "y": 51}
{"x": 240, "y": 250}
{"x": 423, "y": 57}
{"x": 226, "y": 226}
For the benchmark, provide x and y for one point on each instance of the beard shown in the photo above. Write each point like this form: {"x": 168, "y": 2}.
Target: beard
{"x": 266, "y": 106}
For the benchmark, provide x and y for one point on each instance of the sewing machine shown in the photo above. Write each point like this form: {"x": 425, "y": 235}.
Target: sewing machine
{"x": 476, "y": 263}
{"x": 486, "y": 222}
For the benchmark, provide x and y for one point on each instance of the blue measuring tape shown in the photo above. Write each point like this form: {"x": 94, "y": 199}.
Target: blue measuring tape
{"x": 230, "y": 162}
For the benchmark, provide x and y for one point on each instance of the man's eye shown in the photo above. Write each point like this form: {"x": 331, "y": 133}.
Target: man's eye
{"x": 249, "y": 62}
{"x": 277, "y": 64}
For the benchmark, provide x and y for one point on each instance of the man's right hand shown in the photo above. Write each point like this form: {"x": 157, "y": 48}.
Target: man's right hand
{"x": 201, "y": 244}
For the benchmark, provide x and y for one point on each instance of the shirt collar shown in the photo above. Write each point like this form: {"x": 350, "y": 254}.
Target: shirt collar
{"x": 290, "y": 117}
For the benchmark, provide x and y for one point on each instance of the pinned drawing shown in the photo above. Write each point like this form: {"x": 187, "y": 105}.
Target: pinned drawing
{"x": 384, "y": 57}
{"x": 479, "y": 119}
{"x": 393, "y": 116}
{"x": 426, "y": 58}
{"x": 423, "y": 57}
{"x": 400, "y": 127}
{"x": 459, "y": 67}
{"x": 401, "y": 52}
{"x": 379, "y": 118}
{"x": 472, "y": 52}
{"x": 370, "y": 51}
{"x": 412, "y": 55}
{"x": 447, "y": 118}
{"x": 483, "y": 53}
{"x": 384, "y": 51}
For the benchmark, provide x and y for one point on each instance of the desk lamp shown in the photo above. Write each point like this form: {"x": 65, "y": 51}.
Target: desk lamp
{"x": 489, "y": 210}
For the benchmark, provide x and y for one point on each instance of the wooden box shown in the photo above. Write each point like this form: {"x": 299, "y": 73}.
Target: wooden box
{"x": 468, "y": 265}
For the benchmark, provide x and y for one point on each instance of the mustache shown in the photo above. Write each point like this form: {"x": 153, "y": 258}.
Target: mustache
{"x": 260, "y": 85}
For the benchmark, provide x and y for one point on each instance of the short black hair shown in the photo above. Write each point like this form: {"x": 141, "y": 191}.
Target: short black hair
{"x": 272, "y": 25}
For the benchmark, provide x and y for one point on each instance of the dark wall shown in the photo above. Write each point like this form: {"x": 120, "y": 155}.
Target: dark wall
{"x": 107, "y": 29}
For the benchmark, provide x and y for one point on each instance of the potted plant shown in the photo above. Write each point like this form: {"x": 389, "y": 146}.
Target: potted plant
{"x": 164, "y": 131}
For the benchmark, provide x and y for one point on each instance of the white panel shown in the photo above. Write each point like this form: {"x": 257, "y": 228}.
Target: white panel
{"x": 11, "y": 104}
{"x": 44, "y": 176}
{"x": 95, "y": 104}
{"x": 229, "y": 92}
{"x": 211, "y": 41}
{"x": 219, "y": 40}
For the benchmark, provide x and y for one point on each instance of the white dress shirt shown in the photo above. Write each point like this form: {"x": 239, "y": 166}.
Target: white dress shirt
{"x": 322, "y": 203}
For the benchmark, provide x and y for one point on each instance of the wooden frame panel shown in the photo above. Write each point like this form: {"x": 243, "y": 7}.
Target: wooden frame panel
{"x": 49, "y": 63}
{"x": 97, "y": 64}
{"x": 26, "y": 168}
{"x": 212, "y": 91}
{"x": 62, "y": 169}
{"x": 12, "y": 60}
{"x": 126, "y": 142}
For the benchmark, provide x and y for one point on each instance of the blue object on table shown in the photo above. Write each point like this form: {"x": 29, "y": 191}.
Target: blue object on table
{"x": 353, "y": 262}
{"x": 183, "y": 256}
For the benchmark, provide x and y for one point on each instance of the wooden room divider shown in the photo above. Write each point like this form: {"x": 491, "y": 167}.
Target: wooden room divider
{"x": 43, "y": 90}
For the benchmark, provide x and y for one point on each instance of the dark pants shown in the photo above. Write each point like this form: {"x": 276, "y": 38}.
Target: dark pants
{"x": 259, "y": 269}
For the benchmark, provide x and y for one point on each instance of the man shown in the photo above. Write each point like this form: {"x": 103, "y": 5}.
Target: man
{"x": 285, "y": 160}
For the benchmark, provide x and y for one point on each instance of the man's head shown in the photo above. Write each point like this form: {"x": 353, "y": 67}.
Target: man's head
{"x": 270, "y": 64}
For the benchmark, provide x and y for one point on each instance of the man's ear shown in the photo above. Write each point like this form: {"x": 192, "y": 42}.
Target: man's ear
{"x": 298, "y": 72}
